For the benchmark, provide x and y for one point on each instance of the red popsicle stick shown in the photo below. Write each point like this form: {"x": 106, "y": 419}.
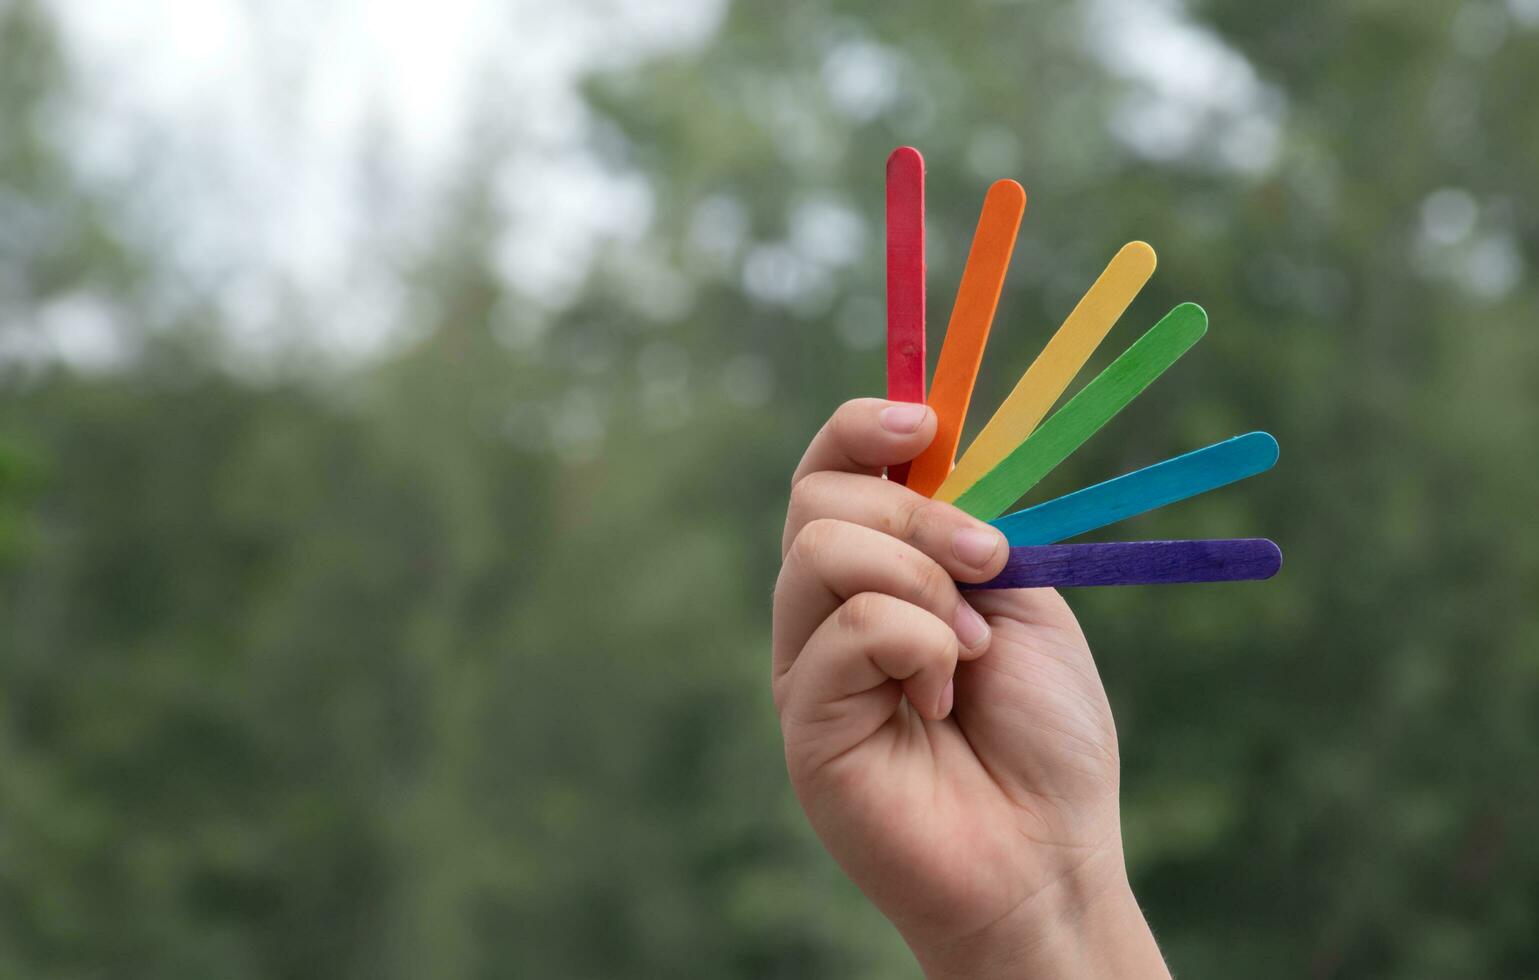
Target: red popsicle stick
{"x": 905, "y": 281}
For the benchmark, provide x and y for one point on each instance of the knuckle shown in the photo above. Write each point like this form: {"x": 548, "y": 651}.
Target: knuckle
{"x": 861, "y": 612}
{"x": 849, "y": 410}
{"x": 841, "y": 422}
{"x": 929, "y": 584}
{"x": 805, "y": 494}
{"x": 814, "y": 540}
{"x": 850, "y": 419}
{"x": 912, "y": 517}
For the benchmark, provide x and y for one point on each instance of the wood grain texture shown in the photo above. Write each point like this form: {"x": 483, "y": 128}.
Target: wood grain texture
{"x": 1141, "y": 491}
{"x": 1064, "y": 566}
{"x": 1095, "y": 405}
{"x": 951, "y": 389}
{"x": 1049, "y": 375}
{"x": 905, "y": 281}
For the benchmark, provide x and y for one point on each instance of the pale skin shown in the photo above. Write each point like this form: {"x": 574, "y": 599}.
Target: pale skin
{"x": 956, "y": 756}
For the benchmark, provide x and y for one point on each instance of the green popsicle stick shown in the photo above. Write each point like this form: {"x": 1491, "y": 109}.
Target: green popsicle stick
{"x": 1091, "y": 408}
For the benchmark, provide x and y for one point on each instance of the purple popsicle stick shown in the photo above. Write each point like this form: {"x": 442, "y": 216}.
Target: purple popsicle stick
{"x": 1136, "y": 563}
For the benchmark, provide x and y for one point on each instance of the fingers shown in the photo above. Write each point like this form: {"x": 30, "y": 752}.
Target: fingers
{"x": 847, "y": 665}
{"x": 866, "y": 595}
{"x": 830, "y": 562}
{"x": 867, "y": 434}
{"x": 967, "y": 548}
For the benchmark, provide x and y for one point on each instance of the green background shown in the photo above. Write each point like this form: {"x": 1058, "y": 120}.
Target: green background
{"x": 452, "y": 662}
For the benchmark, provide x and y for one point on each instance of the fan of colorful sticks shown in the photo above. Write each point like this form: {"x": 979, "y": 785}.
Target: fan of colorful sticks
{"x": 1016, "y": 449}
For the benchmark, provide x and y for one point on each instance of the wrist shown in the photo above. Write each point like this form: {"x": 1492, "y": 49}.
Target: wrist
{"x": 1087, "y": 924}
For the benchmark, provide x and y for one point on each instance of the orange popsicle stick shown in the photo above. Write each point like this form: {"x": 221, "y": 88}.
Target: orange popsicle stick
{"x": 962, "y": 351}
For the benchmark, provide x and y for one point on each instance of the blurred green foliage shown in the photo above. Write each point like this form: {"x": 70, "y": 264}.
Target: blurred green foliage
{"x": 453, "y": 665}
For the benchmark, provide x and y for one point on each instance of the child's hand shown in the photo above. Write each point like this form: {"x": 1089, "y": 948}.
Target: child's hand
{"x": 963, "y": 773}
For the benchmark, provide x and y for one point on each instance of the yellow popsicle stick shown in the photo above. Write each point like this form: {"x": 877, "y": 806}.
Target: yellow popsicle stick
{"x": 1054, "y": 368}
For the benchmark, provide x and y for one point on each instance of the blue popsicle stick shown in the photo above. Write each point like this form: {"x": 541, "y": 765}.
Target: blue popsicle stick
{"x": 1140, "y": 491}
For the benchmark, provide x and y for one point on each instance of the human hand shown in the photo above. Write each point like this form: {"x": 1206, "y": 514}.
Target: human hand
{"x": 961, "y": 768}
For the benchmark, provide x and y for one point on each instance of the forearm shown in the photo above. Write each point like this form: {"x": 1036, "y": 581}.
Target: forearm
{"x": 1087, "y": 926}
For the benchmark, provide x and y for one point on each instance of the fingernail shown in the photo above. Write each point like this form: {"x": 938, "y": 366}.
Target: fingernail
{"x": 970, "y": 627}
{"x": 903, "y": 419}
{"x": 974, "y": 546}
{"x": 948, "y": 696}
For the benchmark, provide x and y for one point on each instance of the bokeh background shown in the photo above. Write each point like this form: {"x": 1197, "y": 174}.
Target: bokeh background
{"x": 397, "y": 403}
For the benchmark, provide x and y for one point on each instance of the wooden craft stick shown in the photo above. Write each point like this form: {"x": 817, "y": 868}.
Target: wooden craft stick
{"x": 905, "y": 281}
{"x": 1086, "y": 412}
{"x": 1141, "y": 491}
{"x": 1136, "y": 563}
{"x": 962, "y": 351}
{"x": 1054, "y": 368}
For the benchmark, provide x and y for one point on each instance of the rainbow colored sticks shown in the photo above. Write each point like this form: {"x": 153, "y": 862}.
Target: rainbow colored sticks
{"x": 1016, "y": 449}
